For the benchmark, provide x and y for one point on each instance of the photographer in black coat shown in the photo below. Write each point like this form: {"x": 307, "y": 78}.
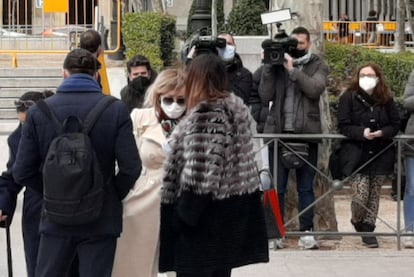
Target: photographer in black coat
{"x": 240, "y": 78}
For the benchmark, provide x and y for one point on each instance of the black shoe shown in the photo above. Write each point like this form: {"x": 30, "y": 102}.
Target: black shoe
{"x": 370, "y": 242}
{"x": 357, "y": 225}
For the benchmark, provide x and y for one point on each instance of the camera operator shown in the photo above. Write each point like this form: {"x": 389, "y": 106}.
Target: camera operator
{"x": 293, "y": 88}
{"x": 240, "y": 78}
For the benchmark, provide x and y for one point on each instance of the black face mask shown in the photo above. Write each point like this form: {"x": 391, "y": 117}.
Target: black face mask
{"x": 140, "y": 83}
{"x": 299, "y": 53}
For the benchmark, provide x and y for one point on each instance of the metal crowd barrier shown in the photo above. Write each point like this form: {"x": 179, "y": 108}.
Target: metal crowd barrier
{"x": 370, "y": 34}
{"x": 336, "y": 185}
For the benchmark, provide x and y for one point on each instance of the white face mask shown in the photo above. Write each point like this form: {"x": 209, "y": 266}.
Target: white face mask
{"x": 173, "y": 110}
{"x": 368, "y": 83}
{"x": 227, "y": 53}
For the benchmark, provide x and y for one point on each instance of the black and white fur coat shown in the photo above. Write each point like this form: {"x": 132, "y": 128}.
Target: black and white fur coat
{"x": 211, "y": 212}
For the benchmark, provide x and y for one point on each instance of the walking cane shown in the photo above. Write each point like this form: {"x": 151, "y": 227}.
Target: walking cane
{"x": 9, "y": 253}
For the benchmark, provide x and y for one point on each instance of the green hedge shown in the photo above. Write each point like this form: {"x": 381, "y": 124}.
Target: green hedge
{"x": 150, "y": 34}
{"x": 244, "y": 18}
{"x": 345, "y": 59}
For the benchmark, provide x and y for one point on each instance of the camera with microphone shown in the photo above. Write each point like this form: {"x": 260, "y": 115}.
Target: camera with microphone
{"x": 274, "y": 49}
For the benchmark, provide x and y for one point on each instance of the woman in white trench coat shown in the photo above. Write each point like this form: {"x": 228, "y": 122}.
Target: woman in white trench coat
{"x": 137, "y": 247}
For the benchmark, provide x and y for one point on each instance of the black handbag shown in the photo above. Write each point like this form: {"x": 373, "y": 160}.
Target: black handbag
{"x": 293, "y": 155}
{"x": 345, "y": 160}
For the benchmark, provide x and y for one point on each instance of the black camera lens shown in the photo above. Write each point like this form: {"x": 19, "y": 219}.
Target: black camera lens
{"x": 275, "y": 56}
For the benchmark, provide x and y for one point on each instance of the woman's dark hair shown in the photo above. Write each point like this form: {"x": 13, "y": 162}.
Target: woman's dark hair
{"x": 90, "y": 40}
{"x": 80, "y": 61}
{"x": 206, "y": 79}
{"x": 29, "y": 98}
{"x": 381, "y": 92}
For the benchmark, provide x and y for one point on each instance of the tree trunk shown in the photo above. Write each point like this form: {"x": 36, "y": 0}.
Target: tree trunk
{"x": 325, "y": 216}
{"x": 157, "y": 6}
{"x": 409, "y": 17}
{"x": 399, "y": 40}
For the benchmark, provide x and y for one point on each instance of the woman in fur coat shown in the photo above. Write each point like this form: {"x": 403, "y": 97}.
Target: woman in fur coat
{"x": 212, "y": 218}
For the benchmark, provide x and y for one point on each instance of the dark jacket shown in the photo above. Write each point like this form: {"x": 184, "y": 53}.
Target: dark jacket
{"x": 32, "y": 203}
{"x": 9, "y": 189}
{"x": 133, "y": 98}
{"x": 211, "y": 212}
{"x": 354, "y": 116}
{"x": 258, "y": 109}
{"x": 111, "y": 136}
{"x": 409, "y": 105}
{"x": 371, "y": 27}
{"x": 310, "y": 83}
{"x": 240, "y": 79}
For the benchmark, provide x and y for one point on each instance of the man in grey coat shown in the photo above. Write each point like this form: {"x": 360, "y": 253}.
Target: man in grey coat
{"x": 293, "y": 90}
{"x": 94, "y": 242}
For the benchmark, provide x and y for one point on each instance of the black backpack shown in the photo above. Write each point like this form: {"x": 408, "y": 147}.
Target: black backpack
{"x": 73, "y": 183}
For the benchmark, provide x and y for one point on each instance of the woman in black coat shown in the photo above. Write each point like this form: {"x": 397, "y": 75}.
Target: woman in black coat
{"x": 368, "y": 116}
{"x": 212, "y": 218}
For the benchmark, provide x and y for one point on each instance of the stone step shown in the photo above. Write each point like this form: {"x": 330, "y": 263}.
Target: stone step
{"x": 16, "y": 81}
{"x": 16, "y": 92}
{"x": 33, "y": 61}
{"x": 8, "y": 125}
{"x": 30, "y": 72}
{"x": 35, "y": 82}
{"x": 7, "y": 114}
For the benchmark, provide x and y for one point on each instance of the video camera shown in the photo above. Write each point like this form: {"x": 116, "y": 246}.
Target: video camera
{"x": 203, "y": 43}
{"x": 208, "y": 44}
{"x": 274, "y": 49}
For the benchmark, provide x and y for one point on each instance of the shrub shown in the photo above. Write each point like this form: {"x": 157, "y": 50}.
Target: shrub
{"x": 150, "y": 34}
{"x": 244, "y": 18}
{"x": 345, "y": 59}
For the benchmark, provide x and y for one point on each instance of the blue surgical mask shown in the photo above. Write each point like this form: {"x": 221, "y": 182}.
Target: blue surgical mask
{"x": 227, "y": 53}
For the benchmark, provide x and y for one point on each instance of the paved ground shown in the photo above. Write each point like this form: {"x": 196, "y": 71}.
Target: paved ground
{"x": 339, "y": 257}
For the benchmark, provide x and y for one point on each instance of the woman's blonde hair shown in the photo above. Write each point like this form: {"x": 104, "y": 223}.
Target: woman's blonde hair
{"x": 170, "y": 79}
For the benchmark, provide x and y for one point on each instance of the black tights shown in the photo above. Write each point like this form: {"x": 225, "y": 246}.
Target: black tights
{"x": 216, "y": 273}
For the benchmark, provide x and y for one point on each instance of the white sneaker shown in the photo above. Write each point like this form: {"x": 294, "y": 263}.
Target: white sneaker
{"x": 308, "y": 242}
{"x": 277, "y": 244}
{"x": 408, "y": 242}
{"x": 280, "y": 243}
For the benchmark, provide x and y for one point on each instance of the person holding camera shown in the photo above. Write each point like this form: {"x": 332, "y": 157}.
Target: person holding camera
{"x": 292, "y": 85}
{"x": 369, "y": 118}
{"x": 240, "y": 78}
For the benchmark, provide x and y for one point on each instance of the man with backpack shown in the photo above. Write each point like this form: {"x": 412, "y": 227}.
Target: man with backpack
{"x": 69, "y": 148}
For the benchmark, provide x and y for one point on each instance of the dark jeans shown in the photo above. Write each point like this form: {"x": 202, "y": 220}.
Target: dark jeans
{"x": 56, "y": 253}
{"x": 304, "y": 185}
{"x": 217, "y": 273}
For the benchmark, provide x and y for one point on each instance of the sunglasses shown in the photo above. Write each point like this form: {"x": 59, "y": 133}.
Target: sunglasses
{"x": 169, "y": 100}
{"x": 23, "y": 105}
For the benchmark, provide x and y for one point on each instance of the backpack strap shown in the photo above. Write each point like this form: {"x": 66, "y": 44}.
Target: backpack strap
{"x": 50, "y": 114}
{"x": 94, "y": 114}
